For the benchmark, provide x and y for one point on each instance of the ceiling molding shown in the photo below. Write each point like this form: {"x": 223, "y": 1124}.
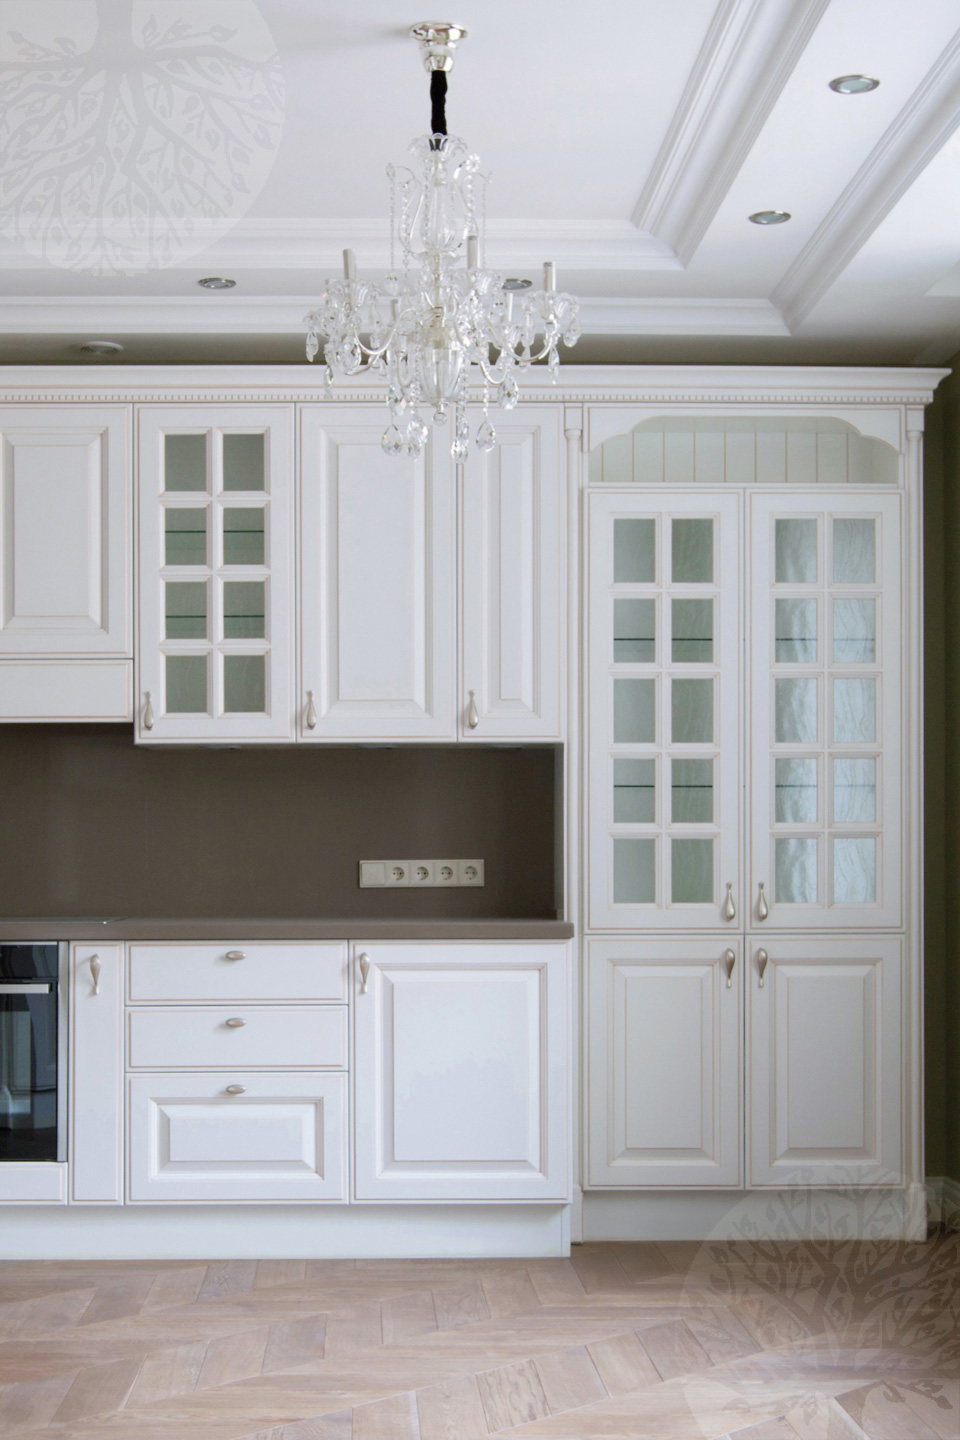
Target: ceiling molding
{"x": 922, "y": 127}
{"x": 749, "y": 53}
{"x": 232, "y": 314}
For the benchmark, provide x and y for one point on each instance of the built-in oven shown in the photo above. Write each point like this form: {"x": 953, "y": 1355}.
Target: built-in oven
{"x": 33, "y": 1042}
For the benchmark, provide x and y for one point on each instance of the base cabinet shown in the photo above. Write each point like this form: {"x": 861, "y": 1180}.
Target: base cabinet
{"x": 462, "y": 1072}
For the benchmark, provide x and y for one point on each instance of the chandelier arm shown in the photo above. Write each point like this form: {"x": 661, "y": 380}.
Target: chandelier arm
{"x": 438, "y": 105}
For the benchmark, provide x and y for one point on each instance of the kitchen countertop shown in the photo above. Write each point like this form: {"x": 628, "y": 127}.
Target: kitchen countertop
{"x": 126, "y": 928}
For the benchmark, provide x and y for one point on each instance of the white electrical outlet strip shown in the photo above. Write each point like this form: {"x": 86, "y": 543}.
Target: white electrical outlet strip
{"x": 419, "y": 874}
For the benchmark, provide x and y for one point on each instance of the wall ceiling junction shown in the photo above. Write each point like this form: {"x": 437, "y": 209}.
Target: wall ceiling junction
{"x": 145, "y": 144}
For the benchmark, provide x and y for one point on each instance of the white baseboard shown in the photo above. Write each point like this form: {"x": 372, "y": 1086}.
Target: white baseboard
{"x": 277, "y": 1232}
{"x": 943, "y": 1199}
{"x": 757, "y": 1214}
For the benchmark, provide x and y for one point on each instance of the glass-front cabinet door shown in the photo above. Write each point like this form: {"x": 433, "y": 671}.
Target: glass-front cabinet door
{"x": 664, "y": 710}
{"x": 825, "y": 710}
{"x": 216, "y": 573}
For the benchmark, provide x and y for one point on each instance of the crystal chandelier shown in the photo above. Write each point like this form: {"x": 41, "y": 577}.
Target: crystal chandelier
{"x": 426, "y": 328}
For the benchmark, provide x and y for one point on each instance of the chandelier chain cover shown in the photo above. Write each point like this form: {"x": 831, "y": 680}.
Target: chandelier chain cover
{"x": 443, "y": 318}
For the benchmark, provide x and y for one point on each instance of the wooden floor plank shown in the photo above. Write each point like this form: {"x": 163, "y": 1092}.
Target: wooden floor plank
{"x": 569, "y": 1378}
{"x": 673, "y": 1349}
{"x": 404, "y": 1317}
{"x": 394, "y": 1418}
{"x": 167, "y": 1372}
{"x": 623, "y": 1364}
{"x": 233, "y": 1357}
{"x": 279, "y": 1272}
{"x": 451, "y": 1410}
{"x": 457, "y": 1305}
{"x": 98, "y": 1389}
{"x": 295, "y": 1342}
{"x": 512, "y": 1395}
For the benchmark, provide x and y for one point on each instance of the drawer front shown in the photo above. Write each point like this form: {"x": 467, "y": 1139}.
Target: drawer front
{"x": 282, "y": 1138}
{"x": 195, "y": 1038}
{"x": 236, "y": 971}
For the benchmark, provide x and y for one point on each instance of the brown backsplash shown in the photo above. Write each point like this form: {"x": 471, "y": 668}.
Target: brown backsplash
{"x": 92, "y": 825}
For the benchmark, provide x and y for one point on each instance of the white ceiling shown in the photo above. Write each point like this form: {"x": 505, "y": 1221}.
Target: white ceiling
{"x": 147, "y": 143}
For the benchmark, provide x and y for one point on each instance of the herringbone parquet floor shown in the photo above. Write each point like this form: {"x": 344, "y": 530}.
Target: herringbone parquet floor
{"x": 666, "y": 1342}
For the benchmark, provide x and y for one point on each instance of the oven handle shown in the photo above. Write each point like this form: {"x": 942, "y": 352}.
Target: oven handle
{"x": 27, "y": 989}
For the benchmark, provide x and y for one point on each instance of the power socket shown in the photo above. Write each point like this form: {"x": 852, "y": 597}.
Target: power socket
{"x": 419, "y": 874}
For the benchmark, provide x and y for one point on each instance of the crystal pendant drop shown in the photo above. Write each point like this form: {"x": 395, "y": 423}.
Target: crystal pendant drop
{"x": 392, "y": 442}
{"x": 459, "y": 450}
{"x": 509, "y": 393}
{"x": 313, "y": 345}
{"x": 486, "y": 437}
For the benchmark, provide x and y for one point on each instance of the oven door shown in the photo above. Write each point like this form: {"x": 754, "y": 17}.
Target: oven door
{"x": 32, "y": 1037}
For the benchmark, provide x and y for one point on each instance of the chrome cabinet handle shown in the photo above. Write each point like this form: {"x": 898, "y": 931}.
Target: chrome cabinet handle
{"x": 147, "y": 712}
{"x": 235, "y": 1023}
{"x": 763, "y": 909}
{"x": 762, "y": 958}
{"x": 235, "y": 955}
{"x": 473, "y": 714}
{"x": 236, "y": 1089}
{"x": 311, "y": 718}
{"x": 95, "y": 972}
{"x": 729, "y": 905}
{"x": 729, "y": 960}
{"x": 364, "y": 964}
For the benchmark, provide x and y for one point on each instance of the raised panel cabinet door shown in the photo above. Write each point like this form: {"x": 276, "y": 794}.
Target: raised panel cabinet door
{"x": 65, "y": 530}
{"x": 95, "y": 1133}
{"x": 511, "y": 576}
{"x": 824, "y": 1050}
{"x": 216, "y": 624}
{"x": 237, "y": 1136}
{"x": 827, "y": 710}
{"x": 664, "y": 786}
{"x": 378, "y": 608}
{"x": 664, "y": 1062}
{"x": 462, "y": 1072}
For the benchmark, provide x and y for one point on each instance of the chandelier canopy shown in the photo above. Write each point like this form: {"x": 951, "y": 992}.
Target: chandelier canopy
{"x": 441, "y": 318}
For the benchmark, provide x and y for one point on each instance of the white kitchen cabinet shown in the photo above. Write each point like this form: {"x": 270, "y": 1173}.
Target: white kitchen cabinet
{"x": 377, "y": 562}
{"x": 824, "y": 1061}
{"x": 216, "y": 625}
{"x": 462, "y": 1076}
{"x": 512, "y": 505}
{"x": 65, "y": 562}
{"x": 664, "y": 1083}
{"x": 238, "y": 1136}
{"x": 200, "y": 1037}
{"x": 95, "y": 1130}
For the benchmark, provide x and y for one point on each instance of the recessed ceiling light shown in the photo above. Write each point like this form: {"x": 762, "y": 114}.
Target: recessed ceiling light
{"x": 216, "y": 282}
{"x": 101, "y": 347}
{"x": 514, "y": 284}
{"x": 853, "y": 84}
{"x": 769, "y": 217}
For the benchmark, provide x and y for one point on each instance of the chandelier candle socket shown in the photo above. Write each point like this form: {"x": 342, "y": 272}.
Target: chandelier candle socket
{"x": 442, "y": 316}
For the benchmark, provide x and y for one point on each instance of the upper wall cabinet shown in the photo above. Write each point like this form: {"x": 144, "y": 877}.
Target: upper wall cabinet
{"x": 216, "y": 573}
{"x": 65, "y": 563}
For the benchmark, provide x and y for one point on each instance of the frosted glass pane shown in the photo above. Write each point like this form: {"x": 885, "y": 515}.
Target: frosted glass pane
{"x": 692, "y": 552}
{"x": 796, "y": 552}
{"x": 244, "y": 684}
{"x": 634, "y": 872}
{"x": 854, "y": 711}
{"x": 634, "y": 551}
{"x": 691, "y": 872}
{"x": 855, "y": 870}
{"x": 854, "y": 552}
{"x": 185, "y": 609}
{"x": 692, "y": 791}
{"x": 634, "y": 711}
{"x": 634, "y": 792}
{"x": 634, "y": 630}
{"x": 854, "y": 631}
{"x": 796, "y": 792}
{"x": 693, "y": 631}
{"x": 796, "y": 867}
{"x": 243, "y": 537}
{"x": 185, "y": 462}
{"x": 186, "y": 537}
{"x": 692, "y": 715}
{"x": 855, "y": 790}
{"x": 186, "y": 684}
{"x": 243, "y": 462}
{"x": 796, "y": 632}
{"x": 796, "y": 711}
{"x": 244, "y": 610}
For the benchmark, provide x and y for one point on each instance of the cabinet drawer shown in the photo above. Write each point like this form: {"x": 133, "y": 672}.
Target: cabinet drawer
{"x": 203, "y": 1039}
{"x": 236, "y": 971}
{"x": 282, "y": 1138}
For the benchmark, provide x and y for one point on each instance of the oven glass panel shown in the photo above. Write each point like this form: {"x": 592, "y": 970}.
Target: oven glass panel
{"x": 28, "y": 1052}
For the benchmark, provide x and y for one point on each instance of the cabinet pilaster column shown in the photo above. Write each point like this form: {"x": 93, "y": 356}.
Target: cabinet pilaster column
{"x": 913, "y": 810}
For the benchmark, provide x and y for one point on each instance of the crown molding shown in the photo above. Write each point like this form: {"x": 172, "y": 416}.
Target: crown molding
{"x": 922, "y": 127}
{"x": 748, "y": 55}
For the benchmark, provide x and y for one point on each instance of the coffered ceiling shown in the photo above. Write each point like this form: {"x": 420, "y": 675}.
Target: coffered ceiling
{"x": 146, "y": 144}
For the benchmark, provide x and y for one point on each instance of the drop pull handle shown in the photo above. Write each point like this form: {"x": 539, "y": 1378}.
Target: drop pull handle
{"x": 762, "y": 958}
{"x": 311, "y": 717}
{"x": 235, "y": 955}
{"x": 763, "y": 909}
{"x": 235, "y": 1023}
{"x": 729, "y": 961}
{"x": 729, "y": 911}
{"x": 363, "y": 962}
{"x": 236, "y": 1089}
{"x": 148, "y": 716}
{"x": 473, "y": 714}
{"x": 95, "y": 972}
